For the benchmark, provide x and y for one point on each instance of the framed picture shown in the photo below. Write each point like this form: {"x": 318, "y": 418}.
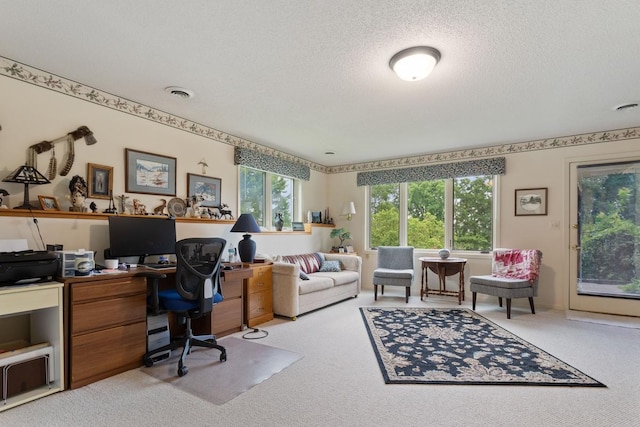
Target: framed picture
{"x": 531, "y": 201}
{"x": 206, "y": 187}
{"x": 316, "y": 217}
{"x": 100, "y": 181}
{"x": 49, "y": 203}
{"x": 349, "y": 249}
{"x": 297, "y": 226}
{"x": 148, "y": 173}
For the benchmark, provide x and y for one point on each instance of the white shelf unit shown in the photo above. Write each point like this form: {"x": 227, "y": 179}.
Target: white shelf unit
{"x": 41, "y": 306}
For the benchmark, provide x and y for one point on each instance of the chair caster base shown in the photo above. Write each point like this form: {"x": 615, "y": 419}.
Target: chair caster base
{"x": 182, "y": 371}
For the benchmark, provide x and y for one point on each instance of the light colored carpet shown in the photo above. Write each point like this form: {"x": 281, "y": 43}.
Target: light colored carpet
{"x": 338, "y": 381}
{"x": 248, "y": 363}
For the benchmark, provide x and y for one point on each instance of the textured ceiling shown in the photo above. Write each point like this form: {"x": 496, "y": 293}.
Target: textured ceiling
{"x": 307, "y": 77}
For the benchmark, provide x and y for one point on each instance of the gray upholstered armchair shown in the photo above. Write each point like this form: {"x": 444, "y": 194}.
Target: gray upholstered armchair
{"x": 515, "y": 274}
{"x": 395, "y": 268}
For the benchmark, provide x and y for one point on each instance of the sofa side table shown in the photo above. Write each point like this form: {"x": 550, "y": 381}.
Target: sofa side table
{"x": 443, "y": 268}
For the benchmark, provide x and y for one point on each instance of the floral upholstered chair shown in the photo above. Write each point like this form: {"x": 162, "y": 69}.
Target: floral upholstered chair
{"x": 514, "y": 274}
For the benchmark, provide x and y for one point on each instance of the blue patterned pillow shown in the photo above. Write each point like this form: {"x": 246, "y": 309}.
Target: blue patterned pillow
{"x": 330, "y": 266}
{"x": 303, "y": 275}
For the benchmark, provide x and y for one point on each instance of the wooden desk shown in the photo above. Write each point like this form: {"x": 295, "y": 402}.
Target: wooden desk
{"x": 443, "y": 268}
{"x": 105, "y": 320}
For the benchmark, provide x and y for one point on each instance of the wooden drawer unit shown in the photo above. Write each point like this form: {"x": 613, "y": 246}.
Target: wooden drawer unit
{"x": 258, "y": 295}
{"x": 226, "y": 317}
{"x": 106, "y": 326}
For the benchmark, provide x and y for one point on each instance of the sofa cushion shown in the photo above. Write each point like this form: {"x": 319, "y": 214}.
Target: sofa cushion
{"x": 330, "y": 266}
{"x": 308, "y": 263}
{"x": 344, "y": 277}
{"x": 315, "y": 283}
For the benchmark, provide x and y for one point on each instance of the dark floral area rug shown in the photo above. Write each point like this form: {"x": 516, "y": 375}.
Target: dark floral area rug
{"x": 458, "y": 346}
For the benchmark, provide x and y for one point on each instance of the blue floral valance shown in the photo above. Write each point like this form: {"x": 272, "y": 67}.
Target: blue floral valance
{"x": 265, "y": 162}
{"x": 493, "y": 166}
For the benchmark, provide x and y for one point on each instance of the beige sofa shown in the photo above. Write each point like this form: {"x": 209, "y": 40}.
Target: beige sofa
{"x": 293, "y": 296}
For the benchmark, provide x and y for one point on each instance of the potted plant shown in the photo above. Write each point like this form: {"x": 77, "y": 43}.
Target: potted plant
{"x": 342, "y": 234}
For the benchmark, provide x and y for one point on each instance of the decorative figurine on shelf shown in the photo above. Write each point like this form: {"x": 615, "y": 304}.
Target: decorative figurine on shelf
{"x": 159, "y": 210}
{"x": 278, "y": 222}
{"x": 78, "y": 188}
{"x": 93, "y": 207}
{"x": 122, "y": 199}
{"x": 139, "y": 208}
{"x": 225, "y": 212}
{"x": 112, "y": 206}
{"x": 3, "y": 193}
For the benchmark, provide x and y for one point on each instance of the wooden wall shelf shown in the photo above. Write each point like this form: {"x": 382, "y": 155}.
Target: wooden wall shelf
{"x": 103, "y": 216}
{"x": 89, "y": 215}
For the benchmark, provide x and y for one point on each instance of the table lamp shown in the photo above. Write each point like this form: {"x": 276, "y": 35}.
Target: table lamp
{"x": 246, "y": 223}
{"x": 26, "y": 175}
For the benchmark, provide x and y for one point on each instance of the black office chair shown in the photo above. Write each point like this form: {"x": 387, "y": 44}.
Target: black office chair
{"x": 197, "y": 290}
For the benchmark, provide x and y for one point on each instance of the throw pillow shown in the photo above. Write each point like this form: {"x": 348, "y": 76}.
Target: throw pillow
{"x": 304, "y": 276}
{"x": 330, "y": 266}
{"x": 308, "y": 263}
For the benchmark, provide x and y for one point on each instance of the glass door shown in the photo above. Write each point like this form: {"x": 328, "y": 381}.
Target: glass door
{"x": 605, "y": 237}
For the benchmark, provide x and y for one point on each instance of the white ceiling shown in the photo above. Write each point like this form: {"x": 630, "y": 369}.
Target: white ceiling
{"x": 311, "y": 76}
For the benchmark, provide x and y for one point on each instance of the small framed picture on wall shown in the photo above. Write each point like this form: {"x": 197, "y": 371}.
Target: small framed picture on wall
{"x": 100, "y": 181}
{"x": 531, "y": 201}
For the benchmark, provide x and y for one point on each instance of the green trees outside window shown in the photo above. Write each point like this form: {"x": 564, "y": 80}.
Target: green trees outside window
{"x": 454, "y": 213}
{"x": 264, "y": 194}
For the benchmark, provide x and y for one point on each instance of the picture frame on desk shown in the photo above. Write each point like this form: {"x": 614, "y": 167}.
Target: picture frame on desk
{"x": 297, "y": 226}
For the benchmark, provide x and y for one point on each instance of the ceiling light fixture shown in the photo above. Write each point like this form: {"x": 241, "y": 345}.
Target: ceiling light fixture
{"x": 179, "y": 91}
{"x": 414, "y": 63}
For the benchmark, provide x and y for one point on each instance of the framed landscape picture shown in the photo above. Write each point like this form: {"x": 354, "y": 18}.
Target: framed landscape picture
{"x": 148, "y": 173}
{"x": 531, "y": 201}
{"x": 100, "y": 181}
{"x": 205, "y": 187}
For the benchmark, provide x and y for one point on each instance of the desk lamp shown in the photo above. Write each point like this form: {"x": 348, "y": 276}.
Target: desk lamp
{"x": 246, "y": 223}
{"x": 26, "y": 175}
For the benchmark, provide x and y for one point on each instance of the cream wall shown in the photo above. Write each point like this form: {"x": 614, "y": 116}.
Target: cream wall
{"x": 30, "y": 114}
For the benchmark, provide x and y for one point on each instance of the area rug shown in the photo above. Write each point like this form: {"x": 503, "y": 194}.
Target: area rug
{"x": 248, "y": 364}
{"x": 458, "y": 346}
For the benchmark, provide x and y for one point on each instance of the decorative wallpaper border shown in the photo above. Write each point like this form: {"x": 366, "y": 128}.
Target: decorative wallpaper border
{"x": 27, "y": 74}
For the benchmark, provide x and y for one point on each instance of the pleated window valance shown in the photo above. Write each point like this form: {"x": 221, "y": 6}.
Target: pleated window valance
{"x": 493, "y": 166}
{"x": 265, "y": 162}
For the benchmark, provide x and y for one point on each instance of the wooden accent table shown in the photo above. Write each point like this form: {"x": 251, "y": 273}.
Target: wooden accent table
{"x": 443, "y": 268}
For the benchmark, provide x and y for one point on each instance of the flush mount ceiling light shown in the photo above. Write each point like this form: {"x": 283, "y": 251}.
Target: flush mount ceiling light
{"x": 414, "y": 63}
{"x": 179, "y": 91}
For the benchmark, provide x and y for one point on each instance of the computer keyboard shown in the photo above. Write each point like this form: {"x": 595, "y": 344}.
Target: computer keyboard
{"x": 159, "y": 266}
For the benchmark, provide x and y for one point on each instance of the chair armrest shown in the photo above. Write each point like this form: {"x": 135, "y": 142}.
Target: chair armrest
{"x": 153, "y": 279}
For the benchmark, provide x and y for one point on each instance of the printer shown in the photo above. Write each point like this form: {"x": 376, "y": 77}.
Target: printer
{"x": 19, "y": 267}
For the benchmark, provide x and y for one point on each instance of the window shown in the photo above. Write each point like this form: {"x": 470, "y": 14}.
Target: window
{"x": 264, "y": 194}
{"x": 452, "y": 213}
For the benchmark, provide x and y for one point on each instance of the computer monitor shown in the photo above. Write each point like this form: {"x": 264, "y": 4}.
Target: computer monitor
{"x": 141, "y": 236}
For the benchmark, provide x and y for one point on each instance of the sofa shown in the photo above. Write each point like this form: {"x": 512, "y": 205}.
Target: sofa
{"x": 306, "y": 282}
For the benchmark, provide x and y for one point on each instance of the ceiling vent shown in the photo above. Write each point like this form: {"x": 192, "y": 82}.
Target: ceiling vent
{"x": 179, "y": 91}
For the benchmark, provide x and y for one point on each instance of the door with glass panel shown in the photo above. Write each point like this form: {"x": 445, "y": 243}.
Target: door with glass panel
{"x": 605, "y": 237}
